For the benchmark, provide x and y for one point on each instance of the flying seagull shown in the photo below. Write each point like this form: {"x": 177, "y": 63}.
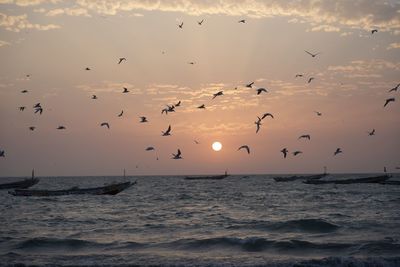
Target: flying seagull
{"x": 105, "y": 124}
{"x": 121, "y": 59}
{"x": 218, "y": 94}
{"x": 388, "y": 101}
{"x": 143, "y": 119}
{"x": 177, "y": 155}
{"x": 298, "y": 75}
{"x": 394, "y": 89}
{"x": 338, "y": 151}
{"x": 310, "y": 80}
{"x": 180, "y": 25}
{"x": 200, "y": 22}
{"x": 21, "y": 108}
{"x": 372, "y": 132}
{"x": 260, "y": 90}
{"x": 242, "y": 21}
{"x": 250, "y": 85}
{"x": 150, "y": 148}
{"x": 201, "y": 106}
{"x": 178, "y": 104}
{"x": 297, "y": 152}
{"x": 374, "y": 31}
{"x": 258, "y": 123}
{"x": 39, "y": 109}
{"x": 125, "y": 90}
{"x": 94, "y": 96}
{"x": 245, "y": 147}
{"x": 266, "y": 115}
{"x": 61, "y": 127}
{"x": 284, "y": 151}
{"x": 307, "y": 136}
{"x": 37, "y": 105}
{"x": 311, "y": 54}
{"x": 167, "y": 132}
{"x": 120, "y": 114}
{"x": 87, "y": 68}
{"x": 24, "y": 91}
{"x": 32, "y": 128}
{"x": 197, "y": 142}
{"x": 318, "y": 113}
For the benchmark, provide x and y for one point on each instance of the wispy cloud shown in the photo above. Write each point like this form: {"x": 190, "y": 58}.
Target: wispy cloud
{"x": 393, "y": 46}
{"x": 3, "y": 43}
{"x": 20, "y": 22}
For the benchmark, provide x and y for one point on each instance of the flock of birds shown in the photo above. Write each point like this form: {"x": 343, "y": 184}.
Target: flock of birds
{"x": 38, "y": 109}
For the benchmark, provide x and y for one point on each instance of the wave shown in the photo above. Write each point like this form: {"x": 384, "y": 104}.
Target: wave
{"x": 302, "y": 225}
{"x": 43, "y": 243}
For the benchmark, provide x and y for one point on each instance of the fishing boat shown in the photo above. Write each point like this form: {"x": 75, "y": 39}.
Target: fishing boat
{"x": 212, "y": 177}
{"x": 21, "y": 184}
{"x": 300, "y": 177}
{"x": 111, "y": 189}
{"x": 364, "y": 180}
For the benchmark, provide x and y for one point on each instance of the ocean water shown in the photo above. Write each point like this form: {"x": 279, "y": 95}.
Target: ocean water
{"x": 238, "y": 221}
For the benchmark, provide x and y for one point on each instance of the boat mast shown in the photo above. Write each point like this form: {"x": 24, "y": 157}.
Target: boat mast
{"x": 33, "y": 173}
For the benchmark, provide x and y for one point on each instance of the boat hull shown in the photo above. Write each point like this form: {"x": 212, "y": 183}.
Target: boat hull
{"x": 295, "y": 177}
{"x": 366, "y": 180}
{"x": 216, "y": 177}
{"x": 21, "y": 184}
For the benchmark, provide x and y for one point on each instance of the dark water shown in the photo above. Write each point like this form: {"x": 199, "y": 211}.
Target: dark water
{"x": 233, "y": 222}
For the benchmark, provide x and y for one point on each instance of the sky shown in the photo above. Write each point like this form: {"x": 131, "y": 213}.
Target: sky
{"x": 46, "y": 45}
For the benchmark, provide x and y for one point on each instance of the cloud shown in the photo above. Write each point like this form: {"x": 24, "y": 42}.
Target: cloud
{"x": 27, "y": 2}
{"x": 108, "y": 87}
{"x": 20, "y": 22}
{"x": 68, "y": 11}
{"x": 393, "y": 46}
{"x": 365, "y": 68}
{"x": 3, "y": 43}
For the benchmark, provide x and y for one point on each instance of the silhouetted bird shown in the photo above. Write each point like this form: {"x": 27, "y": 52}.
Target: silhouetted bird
{"x": 242, "y": 21}
{"x": 388, "y": 101}
{"x": 94, "y": 96}
{"x": 22, "y": 108}
{"x": 150, "y": 148}
{"x": 307, "y": 136}
{"x": 200, "y": 22}
{"x": 338, "y": 151}
{"x": 191, "y": 63}
{"x": 261, "y": 90}
{"x": 120, "y": 114}
{"x": 284, "y": 151}
{"x": 143, "y": 119}
{"x": 372, "y": 132}
{"x": 374, "y": 31}
{"x": 245, "y": 147}
{"x": 201, "y": 106}
{"x": 61, "y": 127}
{"x": 298, "y": 75}
{"x": 167, "y": 132}
{"x": 311, "y": 54}
{"x": 105, "y": 124}
{"x": 87, "y": 68}
{"x": 121, "y": 59}
{"x": 125, "y": 90}
{"x": 394, "y": 88}
{"x": 32, "y": 128}
{"x": 258, "y": 124}
{"x": 310, "y": 79}
{"x": 37, "y": 105}
{"x": 2, "y": 153}
{"x": 24, "y": 91}
{"x": 266, "y": 115}
{"x": 177, "y": 155}
{"x": 180, "y": 25}
{"x": 39, "y": 109}
{"x": 218, "y": 94}
{"x": 318, "y": 113}
{"x": 297, "y": 152}
{"x": 178, "y": 104}
{"x": 196, "y": 142}
{"x": 250, "y": 85}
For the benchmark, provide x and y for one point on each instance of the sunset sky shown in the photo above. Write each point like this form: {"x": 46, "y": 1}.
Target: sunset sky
{"x": 54, "y": 41}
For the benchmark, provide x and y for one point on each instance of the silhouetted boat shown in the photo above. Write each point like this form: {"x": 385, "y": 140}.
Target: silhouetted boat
{"x": 394, "y": 182}
{"x": 300, "y": 177}
{"x": 21, "y": 184}
{"x": 111, "y": 189}
{"x": 365, "y": 180}
{"x": 213, "y": 177}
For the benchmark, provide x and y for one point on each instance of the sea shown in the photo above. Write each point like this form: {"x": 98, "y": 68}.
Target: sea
{"x": 243, "y": 220}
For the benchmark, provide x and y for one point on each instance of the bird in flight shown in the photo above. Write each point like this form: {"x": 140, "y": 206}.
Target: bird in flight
{"x": 374, "y": 31}
{"x": 196, "y": 142}
{"x": 394, "y": 89}
{"x": 120, "y": 114}
{"x": 242, "y": 21}
{"x": 143, "y": 119}
{"x": 371, "y": 132}
{"x": 266, "y": 115}
{"x": 298, "y": 75}
{"x": 311, "y": 54}
{"x": 177, "y": 155}
{"x": 125, "y": 90}
{"x": 180, "y": 25}
{"x": 22, "y": 108}
{"x": 32, "y": 128}
{"x": 121, "y": 59}
{"x": 218, "y": 94}
{"x": 2, "y": 153}
{"x": 284, "y": 151}
{"x": 105, "y": 124}
{"x": 178, "y": 104}
{"x": 94, "y": 96}
{"x": 338, "y": 151}
{"x": 306, "y": 136}
{"x": 258, "y": 124}
{"x": 310, "y": 80}
{"x": 201, "y": 106}
{"x": 87, "y": 68}
{"x": 245, "y": 147}
{"x": 388, "y": 101}
{"x": 297, "y": 152}
{"x": 250, "y": 85}
{"x": 191, "y": 62}
{"x": 150, "y": 148}
{"x": 318, "y": 113}
{"x": 24, "y": 91}
{"x": 61, "y": 127}
{"x": 261, "y": 90}
{"x": 39, "y": 109}
{"x": 167, "y": 132}
{"x": 200, "y": 22}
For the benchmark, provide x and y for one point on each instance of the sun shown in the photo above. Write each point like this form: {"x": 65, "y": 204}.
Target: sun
{"x": 217, "y": 146}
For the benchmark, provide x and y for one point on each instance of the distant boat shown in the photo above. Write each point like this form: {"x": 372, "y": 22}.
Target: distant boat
{"x": 364, "y": 180}
{"x": 111, "y": 189}
{"x": 212, "y": 177}
{"x": 21, "y": 184}
{"x": 300, "y": 177}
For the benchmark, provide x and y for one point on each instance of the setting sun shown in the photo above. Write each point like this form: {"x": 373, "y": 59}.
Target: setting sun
{"x": 217, "y": 146}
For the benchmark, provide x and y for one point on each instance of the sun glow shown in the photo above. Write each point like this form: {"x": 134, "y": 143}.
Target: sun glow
{"x": 217, "y": 146}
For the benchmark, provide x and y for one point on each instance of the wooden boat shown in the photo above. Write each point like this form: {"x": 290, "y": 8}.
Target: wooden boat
{"x": 373, "y": 179}
{"x": 300, "y": 177}
{"x": 215, "y": 177}
{"x": 111, "y": 189}
{"x": 21, "y": 184}
{"x": 393, "y": 182}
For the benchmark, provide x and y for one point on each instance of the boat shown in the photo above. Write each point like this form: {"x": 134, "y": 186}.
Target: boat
{"x": 212, "y": 177}
{"x": 300, "y": 177}
{"x": 21, "y": 184}
{"x": 393, "y": 182}
{"x": 364, "y": 180}
{"x": 111, "y": 189}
